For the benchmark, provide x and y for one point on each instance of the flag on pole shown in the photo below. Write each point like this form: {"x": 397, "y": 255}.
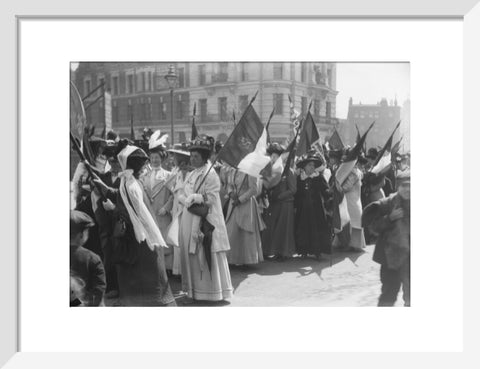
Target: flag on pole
{"x": 308, "y": 135}
{"x": 246, "y": 148}
{"x": 396, "y": 147}
{"x": 132, "y": 132}
{"x": 384, "y": 158}
{"x": 194, "y": 128}
{"x": 335, "y": 142}
{"x": 268, "y": 125}
{"x": 347, "y": 165}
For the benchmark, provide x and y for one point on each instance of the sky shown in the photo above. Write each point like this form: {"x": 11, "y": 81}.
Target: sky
{"x": 370, "y": 82}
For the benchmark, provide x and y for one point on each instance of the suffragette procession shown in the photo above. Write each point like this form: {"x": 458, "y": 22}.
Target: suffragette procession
{"x": 145, "y": 213}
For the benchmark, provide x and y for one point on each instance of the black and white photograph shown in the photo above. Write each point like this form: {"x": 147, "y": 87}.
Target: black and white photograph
{"x": 243, "y": 184}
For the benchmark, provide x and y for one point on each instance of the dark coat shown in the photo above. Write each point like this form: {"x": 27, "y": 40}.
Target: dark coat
{"x": 393, "y": 244}
{"x": 313, "y": 203}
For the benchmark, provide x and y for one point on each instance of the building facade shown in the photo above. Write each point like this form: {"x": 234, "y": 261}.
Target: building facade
{"x": 386, "y": 116}
{"x": 140, "y": 93}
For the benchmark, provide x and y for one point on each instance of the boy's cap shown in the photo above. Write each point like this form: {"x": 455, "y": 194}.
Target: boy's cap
{"x": 80, "y": 221}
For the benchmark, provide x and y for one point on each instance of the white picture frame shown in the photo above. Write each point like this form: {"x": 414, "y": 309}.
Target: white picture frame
{"x": 14, "y": 12}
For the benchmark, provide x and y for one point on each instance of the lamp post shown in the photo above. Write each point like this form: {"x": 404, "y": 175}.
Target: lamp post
{"x": 171, "y": 78}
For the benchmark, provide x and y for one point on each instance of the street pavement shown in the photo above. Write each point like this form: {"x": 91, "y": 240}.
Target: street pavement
{"x": 346, "y": 279}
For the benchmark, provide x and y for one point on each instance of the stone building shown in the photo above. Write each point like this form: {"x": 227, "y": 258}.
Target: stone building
{"x": 141, "y": 93}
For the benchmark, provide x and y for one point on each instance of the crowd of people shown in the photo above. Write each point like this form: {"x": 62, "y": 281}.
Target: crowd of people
{"x": 142, "y": 216}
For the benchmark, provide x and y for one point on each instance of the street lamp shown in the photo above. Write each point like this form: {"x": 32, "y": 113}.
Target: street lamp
{"x": 171, "y": 78}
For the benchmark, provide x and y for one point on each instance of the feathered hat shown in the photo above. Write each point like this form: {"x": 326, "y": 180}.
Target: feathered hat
{"x": 311, "y": 156}
{"x": 156, "y": 142}
{"x": 202, "y": 142}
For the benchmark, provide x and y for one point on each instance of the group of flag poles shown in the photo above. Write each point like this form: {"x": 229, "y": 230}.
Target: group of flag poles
{"x": 245, "y": 148}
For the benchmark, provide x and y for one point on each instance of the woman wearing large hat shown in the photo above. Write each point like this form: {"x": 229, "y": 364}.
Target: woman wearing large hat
{"x": 203, "y": 236}
{"x": 155, "y": 184}
{"x": 278, "y": 238}
{"x": 142, "y": 277}
{"x": 313, "y": 201}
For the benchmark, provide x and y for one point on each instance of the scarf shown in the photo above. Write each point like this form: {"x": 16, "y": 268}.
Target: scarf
{"x": 143, "y": 223}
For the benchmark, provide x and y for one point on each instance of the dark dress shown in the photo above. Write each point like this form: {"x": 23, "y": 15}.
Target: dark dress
{"x": 278, "y": 238}
{"x": 142, "y": 277}
{"x": 313, "y": 202}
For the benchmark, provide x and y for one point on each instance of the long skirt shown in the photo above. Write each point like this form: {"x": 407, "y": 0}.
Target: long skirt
{"x": 199, "y": 281}
{"x": 278, "y": 237}
{"x": 245, "y": 247}
{"x": 144, "y": 282}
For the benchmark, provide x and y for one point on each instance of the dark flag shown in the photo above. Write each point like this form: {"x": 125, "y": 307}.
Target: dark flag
{"x": 335, "y": 142}
{"x": 383, "y": 161}
{"x": 244, "y": 138}
{"x": 308, "y": 136}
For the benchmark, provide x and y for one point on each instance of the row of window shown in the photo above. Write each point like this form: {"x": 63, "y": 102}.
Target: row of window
{"x": 143, "y": 109}
{"x": 145, "y": 81}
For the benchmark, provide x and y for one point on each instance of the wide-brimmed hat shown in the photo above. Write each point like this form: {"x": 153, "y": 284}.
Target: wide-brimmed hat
{"x": 202, "y": 143}
{"x": 180, "y": 149}
{"x": 275, "y": 148}
{"x": 311, "y": 156}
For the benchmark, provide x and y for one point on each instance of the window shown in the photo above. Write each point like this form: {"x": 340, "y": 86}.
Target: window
{"x": 329, "y": 74}
{"x": 115, "y": 112}
{"x": 143, "y": 111}
{"x": 304, "y": 72}
{"x": 181, "y": 77}
{"x": 243, "y": 72}
{"x": 304, "y": 105}
{"x": 149, "y": 81}
{"x": 318, "y": 76}
{"x": 328, "y": 109}
{"x": 179, "y": 111}
{"x": 201, "y": 75}
{"x": 144, "y": 82}
{"x": 222, "y": 108}
{"x": 316, "y": 107}
{"x": 101, "y": 81}
{"x": 115, "y": 85}
{"x": 163, "y": 110}
{"x": 278, "y": 103}
{"x": 203, "y": 109}
{"x": 277, "y": 70}
{"x": 242, "y": 103}
{"x": 130, "y": 84}
{"x": 223, "y": 75}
